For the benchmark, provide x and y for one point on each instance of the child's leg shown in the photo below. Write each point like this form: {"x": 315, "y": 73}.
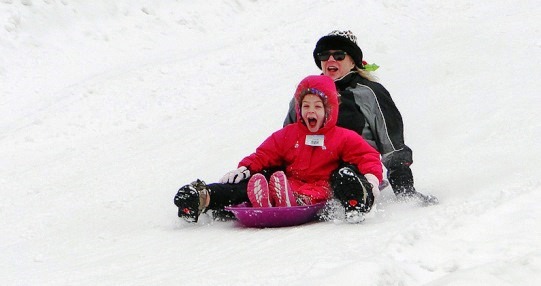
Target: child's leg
{"x": 280, "y": 190}
{"x": 258, "y": 191}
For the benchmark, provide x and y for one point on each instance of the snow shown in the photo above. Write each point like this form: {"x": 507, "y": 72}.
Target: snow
{"x": 108, "y": 107}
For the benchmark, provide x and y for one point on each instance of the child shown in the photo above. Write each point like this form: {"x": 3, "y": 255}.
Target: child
{"x": 307, "y": 152}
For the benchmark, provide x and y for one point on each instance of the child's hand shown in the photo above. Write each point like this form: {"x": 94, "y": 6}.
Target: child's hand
{"x": 373, "y": 180}
{"x": 236, "y": 176}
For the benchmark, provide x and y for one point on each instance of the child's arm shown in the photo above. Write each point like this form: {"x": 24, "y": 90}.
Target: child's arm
{"x": 357, "y": 151}
{"x": 267, "y": 155}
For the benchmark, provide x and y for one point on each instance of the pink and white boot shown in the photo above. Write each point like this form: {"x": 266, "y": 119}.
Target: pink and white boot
{"x": 280, "y": 190}
{"x": 258, "y": 191}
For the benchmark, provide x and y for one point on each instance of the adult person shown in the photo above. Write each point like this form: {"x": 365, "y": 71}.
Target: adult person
{"x": 367, "y": 108}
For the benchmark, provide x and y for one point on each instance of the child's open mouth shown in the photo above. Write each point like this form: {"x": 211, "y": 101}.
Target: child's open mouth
{"x": 312, "y": 122}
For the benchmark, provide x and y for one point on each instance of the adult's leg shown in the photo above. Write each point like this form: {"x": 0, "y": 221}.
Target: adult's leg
{"x": 401, "y": 177}
{"x": 399, "y": 172}
{"x": 353, "y": 191}
{"x": 222, "y": 195}
{"x": 191, "y": 199}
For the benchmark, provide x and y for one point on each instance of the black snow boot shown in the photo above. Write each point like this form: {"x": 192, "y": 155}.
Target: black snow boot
{"x": 401, "y": 179}
{"x": 353, "y": 191}
{"x": 190, "y": 200}
{"x": 410, "y": 194}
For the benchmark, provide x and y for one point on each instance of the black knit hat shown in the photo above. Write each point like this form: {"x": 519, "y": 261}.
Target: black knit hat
{"x": 340, "y": 40}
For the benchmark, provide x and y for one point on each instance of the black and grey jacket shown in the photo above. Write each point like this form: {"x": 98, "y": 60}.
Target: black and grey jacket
{"x": 367, "y": 108}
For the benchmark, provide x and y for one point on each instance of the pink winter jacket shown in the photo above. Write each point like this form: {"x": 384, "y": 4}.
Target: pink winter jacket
{"x": 308, "y": 168}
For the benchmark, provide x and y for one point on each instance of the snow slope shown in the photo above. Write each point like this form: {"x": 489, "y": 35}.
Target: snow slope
{"x": 109, "y": 106}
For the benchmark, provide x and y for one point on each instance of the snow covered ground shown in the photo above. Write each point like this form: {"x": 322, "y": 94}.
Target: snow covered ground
{"x": 107, "y": 107}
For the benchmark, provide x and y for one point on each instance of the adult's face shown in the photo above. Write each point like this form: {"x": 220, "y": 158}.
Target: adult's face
{"x": 337, "y": 68}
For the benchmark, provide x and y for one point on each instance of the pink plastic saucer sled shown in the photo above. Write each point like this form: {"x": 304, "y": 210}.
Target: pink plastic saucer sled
{"x": 275, "y": 216}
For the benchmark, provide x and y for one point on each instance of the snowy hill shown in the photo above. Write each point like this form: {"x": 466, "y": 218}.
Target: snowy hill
{"x": 109, "y": 106}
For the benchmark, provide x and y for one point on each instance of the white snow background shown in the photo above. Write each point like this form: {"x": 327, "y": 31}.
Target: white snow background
{"x": 108, "y": 107}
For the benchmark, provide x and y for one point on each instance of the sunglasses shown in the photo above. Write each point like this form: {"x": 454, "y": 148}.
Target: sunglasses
{"x": 337, "y": 56}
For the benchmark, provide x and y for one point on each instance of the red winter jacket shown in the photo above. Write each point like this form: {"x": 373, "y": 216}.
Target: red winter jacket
{"x": 308, "y": 168}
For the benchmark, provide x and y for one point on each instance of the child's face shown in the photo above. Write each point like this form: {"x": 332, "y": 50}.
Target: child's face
{"x": 313, "y": 112}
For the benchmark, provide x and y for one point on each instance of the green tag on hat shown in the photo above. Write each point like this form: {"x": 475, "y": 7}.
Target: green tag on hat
{"x": 371, "y": 67}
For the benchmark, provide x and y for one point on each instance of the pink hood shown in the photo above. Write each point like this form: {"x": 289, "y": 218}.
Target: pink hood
{"x": 324, "y": 87}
